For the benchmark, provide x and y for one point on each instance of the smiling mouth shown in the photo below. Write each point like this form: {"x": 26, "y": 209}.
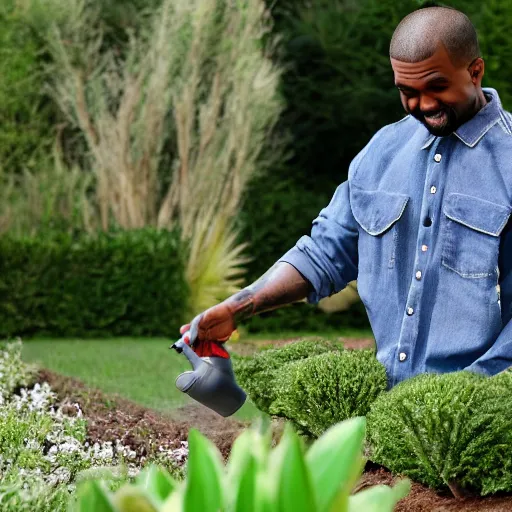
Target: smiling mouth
{"x": 435, "y": 120}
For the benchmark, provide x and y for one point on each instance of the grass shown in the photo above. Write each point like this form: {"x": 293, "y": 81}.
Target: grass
{"x": 143, "y": 370}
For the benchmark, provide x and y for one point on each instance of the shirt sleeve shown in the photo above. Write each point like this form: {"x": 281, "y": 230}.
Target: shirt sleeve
{"x": 328, "y": 258}
{"x": 498, "y": 357}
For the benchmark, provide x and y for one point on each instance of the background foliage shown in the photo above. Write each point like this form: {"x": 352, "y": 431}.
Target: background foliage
{"x": 338, "y": 89}
{"x": 128, "y": 282}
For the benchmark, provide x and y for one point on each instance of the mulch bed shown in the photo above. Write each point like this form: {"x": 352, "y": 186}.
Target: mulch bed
{"x": 423, "y": 499}
{"x": 112, "y": 417}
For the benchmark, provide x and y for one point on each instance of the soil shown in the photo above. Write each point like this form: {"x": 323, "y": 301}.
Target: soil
{"x": 423, "y": 499}
{"x": 112, "y": 417}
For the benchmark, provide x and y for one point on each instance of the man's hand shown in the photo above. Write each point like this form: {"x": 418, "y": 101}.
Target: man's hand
{"x": 209, "y": 329}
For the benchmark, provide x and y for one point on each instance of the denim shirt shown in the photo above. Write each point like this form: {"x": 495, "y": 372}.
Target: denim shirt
{"x": 424, "y": 225}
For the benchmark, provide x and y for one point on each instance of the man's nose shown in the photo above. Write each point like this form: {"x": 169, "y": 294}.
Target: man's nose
{"x": 428, "y": 104}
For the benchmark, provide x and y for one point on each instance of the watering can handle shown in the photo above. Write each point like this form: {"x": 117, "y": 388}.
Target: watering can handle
{"x": 180, "y": 346}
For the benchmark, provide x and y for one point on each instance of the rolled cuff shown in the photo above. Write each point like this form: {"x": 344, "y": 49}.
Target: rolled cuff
{"x": 307, "y": 260}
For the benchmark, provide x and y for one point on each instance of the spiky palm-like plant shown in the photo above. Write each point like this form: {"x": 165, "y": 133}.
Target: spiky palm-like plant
{"x": 176, "y": 127}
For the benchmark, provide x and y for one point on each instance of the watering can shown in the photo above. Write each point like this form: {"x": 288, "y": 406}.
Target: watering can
{"x": 211, "y": 381}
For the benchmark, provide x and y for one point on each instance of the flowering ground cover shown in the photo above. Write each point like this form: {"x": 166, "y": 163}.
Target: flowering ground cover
{"x": 55, "y": 433}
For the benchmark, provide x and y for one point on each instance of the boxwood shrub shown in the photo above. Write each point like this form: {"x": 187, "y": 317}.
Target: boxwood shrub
{"x": 447, "y": 431}
{"x": 122, "y": 283}
{"x": 317, "y": 392}
{"x": 257, "y": 374}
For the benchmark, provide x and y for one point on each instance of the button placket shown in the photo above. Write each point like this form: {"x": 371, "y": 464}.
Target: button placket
{"x": 427, "y": 228}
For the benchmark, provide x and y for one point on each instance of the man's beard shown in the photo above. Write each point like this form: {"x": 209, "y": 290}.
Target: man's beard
{"x": 444, "y": 121}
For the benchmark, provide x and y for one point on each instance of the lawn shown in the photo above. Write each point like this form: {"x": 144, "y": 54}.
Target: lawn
{"x": 140, "y": 369}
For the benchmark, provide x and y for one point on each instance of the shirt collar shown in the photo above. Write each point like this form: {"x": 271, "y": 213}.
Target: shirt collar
{"x": 473, "y": 130}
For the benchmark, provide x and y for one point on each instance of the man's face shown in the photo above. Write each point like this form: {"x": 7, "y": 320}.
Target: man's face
{"x": 436, "y": 92}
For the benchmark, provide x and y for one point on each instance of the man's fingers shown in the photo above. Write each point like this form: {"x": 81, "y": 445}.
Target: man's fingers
{"x": 194, "y": 329}
{"x": 184, "y": 328}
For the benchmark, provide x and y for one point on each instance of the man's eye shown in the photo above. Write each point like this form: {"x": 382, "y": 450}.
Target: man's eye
{"x": 407, "y": 93}
{"x": 438, "y": 88}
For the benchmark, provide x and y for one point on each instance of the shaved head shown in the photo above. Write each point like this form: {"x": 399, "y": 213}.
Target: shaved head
{"x": 438, "y": 70}
{"x": 420, "y": 34}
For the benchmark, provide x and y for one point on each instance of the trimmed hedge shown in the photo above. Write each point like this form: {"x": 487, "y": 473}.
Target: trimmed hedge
{"x": 323, "y": 390}
{"x": 257, "y": 374}
{"x": 124, "y": 283}
{"x": 447, "y": 431}
{"x": 313, "y": 383}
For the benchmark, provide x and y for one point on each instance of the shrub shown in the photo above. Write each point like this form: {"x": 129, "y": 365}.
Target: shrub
{"x": 126, "y": 283}
{"x": 452, "y": 430}
{"x": 317, "y": 392}
{"x": 257, "y": 478}
{"x": 257, "y": 374}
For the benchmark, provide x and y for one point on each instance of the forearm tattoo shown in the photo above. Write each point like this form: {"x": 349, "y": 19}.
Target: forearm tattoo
{"x": 282, "y": 284}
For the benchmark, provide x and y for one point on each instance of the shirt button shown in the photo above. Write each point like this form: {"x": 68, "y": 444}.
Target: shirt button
{"x": 433, "y": 190}
{"x": 410, "y": 311}
{"x": 418, "y": 275}
{"x": 424, "y": 248}
{"x": 402, "y": 356}
{"x": 437, "y": 157}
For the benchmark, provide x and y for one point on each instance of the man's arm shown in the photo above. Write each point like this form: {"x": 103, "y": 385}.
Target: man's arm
{"x": 318, "y": 266}
{"x": 499, "y": 356}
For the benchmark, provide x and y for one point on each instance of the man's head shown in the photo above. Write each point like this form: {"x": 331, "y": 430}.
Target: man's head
{"x": 438, "y": 69}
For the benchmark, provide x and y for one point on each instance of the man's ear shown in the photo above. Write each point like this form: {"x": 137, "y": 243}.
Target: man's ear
{"x": 476, "y": 70}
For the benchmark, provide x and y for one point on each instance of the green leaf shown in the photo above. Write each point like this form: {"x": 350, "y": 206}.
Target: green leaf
{"x": 267, "y": 478}
{"x": 156, "y": 482}
{"x": 174, "y": 502}
{"x": 334, "y": 461}
{"x": 380, "y": 498}
{"x": 242, "y": 469}
{"x": 246, "y": 490}
{"x": 295, "y": 490}
{"x": 133, "y": 499}
{"x": 203, "y": 489}
{"x": 93, "y": 497}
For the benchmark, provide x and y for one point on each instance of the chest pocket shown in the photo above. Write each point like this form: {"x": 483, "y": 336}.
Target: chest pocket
{"x": 377, "y": 212}
{"x": 471, "y": 237}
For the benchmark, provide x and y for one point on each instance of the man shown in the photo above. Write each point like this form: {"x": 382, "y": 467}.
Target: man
{"x": 423, "y": 221}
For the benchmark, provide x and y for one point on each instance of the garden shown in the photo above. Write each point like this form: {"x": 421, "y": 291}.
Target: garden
{"x": 156, "y": 156}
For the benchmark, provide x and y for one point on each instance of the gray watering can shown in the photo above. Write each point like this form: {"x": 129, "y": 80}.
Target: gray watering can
{"x": 211, "y": 381}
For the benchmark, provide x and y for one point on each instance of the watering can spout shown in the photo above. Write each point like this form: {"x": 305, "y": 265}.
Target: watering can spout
{"x": 211, "y": 381}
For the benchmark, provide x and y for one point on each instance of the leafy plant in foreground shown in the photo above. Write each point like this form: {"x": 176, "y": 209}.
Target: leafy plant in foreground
{"x": 452, "y": 430}
{"x": 256, "y": 374}
{"x": 256, "y": 478}
{"x": 317, "y": 392}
